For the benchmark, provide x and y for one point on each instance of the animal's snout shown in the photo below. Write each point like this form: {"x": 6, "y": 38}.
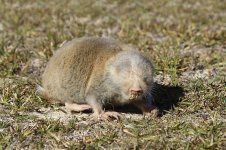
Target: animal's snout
{"x": 136, "y": 91}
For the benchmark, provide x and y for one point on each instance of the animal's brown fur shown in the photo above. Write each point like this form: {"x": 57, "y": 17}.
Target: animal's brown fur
{"x": 98, "y": 71}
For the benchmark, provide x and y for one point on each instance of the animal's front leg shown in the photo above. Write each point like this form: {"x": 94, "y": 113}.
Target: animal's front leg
{"x": 98, "y": 111}
{"x": 148, "y": 110}
{"x": 109, "y": 115}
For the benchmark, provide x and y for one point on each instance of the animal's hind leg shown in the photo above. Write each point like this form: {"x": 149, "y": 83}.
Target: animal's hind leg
{"x": 77, "y": 107}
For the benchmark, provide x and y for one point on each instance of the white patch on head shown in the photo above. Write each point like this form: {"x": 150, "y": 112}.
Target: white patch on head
{"x": 128, "y": 70}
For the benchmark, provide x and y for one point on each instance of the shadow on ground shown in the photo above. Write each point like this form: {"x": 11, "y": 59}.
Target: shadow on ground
{"x": 165, "y": 97}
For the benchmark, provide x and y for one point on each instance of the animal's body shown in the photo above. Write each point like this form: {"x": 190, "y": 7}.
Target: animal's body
{"x": 93, "y": 72}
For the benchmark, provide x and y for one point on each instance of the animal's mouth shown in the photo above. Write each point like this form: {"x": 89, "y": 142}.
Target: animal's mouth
{"x": 134, "y": 96}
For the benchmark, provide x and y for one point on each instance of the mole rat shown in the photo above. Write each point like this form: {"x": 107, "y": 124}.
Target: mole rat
{"x": 91, "y": 73}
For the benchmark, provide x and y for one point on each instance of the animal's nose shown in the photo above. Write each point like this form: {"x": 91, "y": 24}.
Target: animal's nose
{"x": 136, "y": 91}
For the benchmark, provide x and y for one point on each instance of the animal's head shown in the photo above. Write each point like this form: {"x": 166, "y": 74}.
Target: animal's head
{"x": 131, "y": 75}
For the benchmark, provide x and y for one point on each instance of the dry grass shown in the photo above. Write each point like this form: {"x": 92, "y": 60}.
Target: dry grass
{"x": 186, "y": 40}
